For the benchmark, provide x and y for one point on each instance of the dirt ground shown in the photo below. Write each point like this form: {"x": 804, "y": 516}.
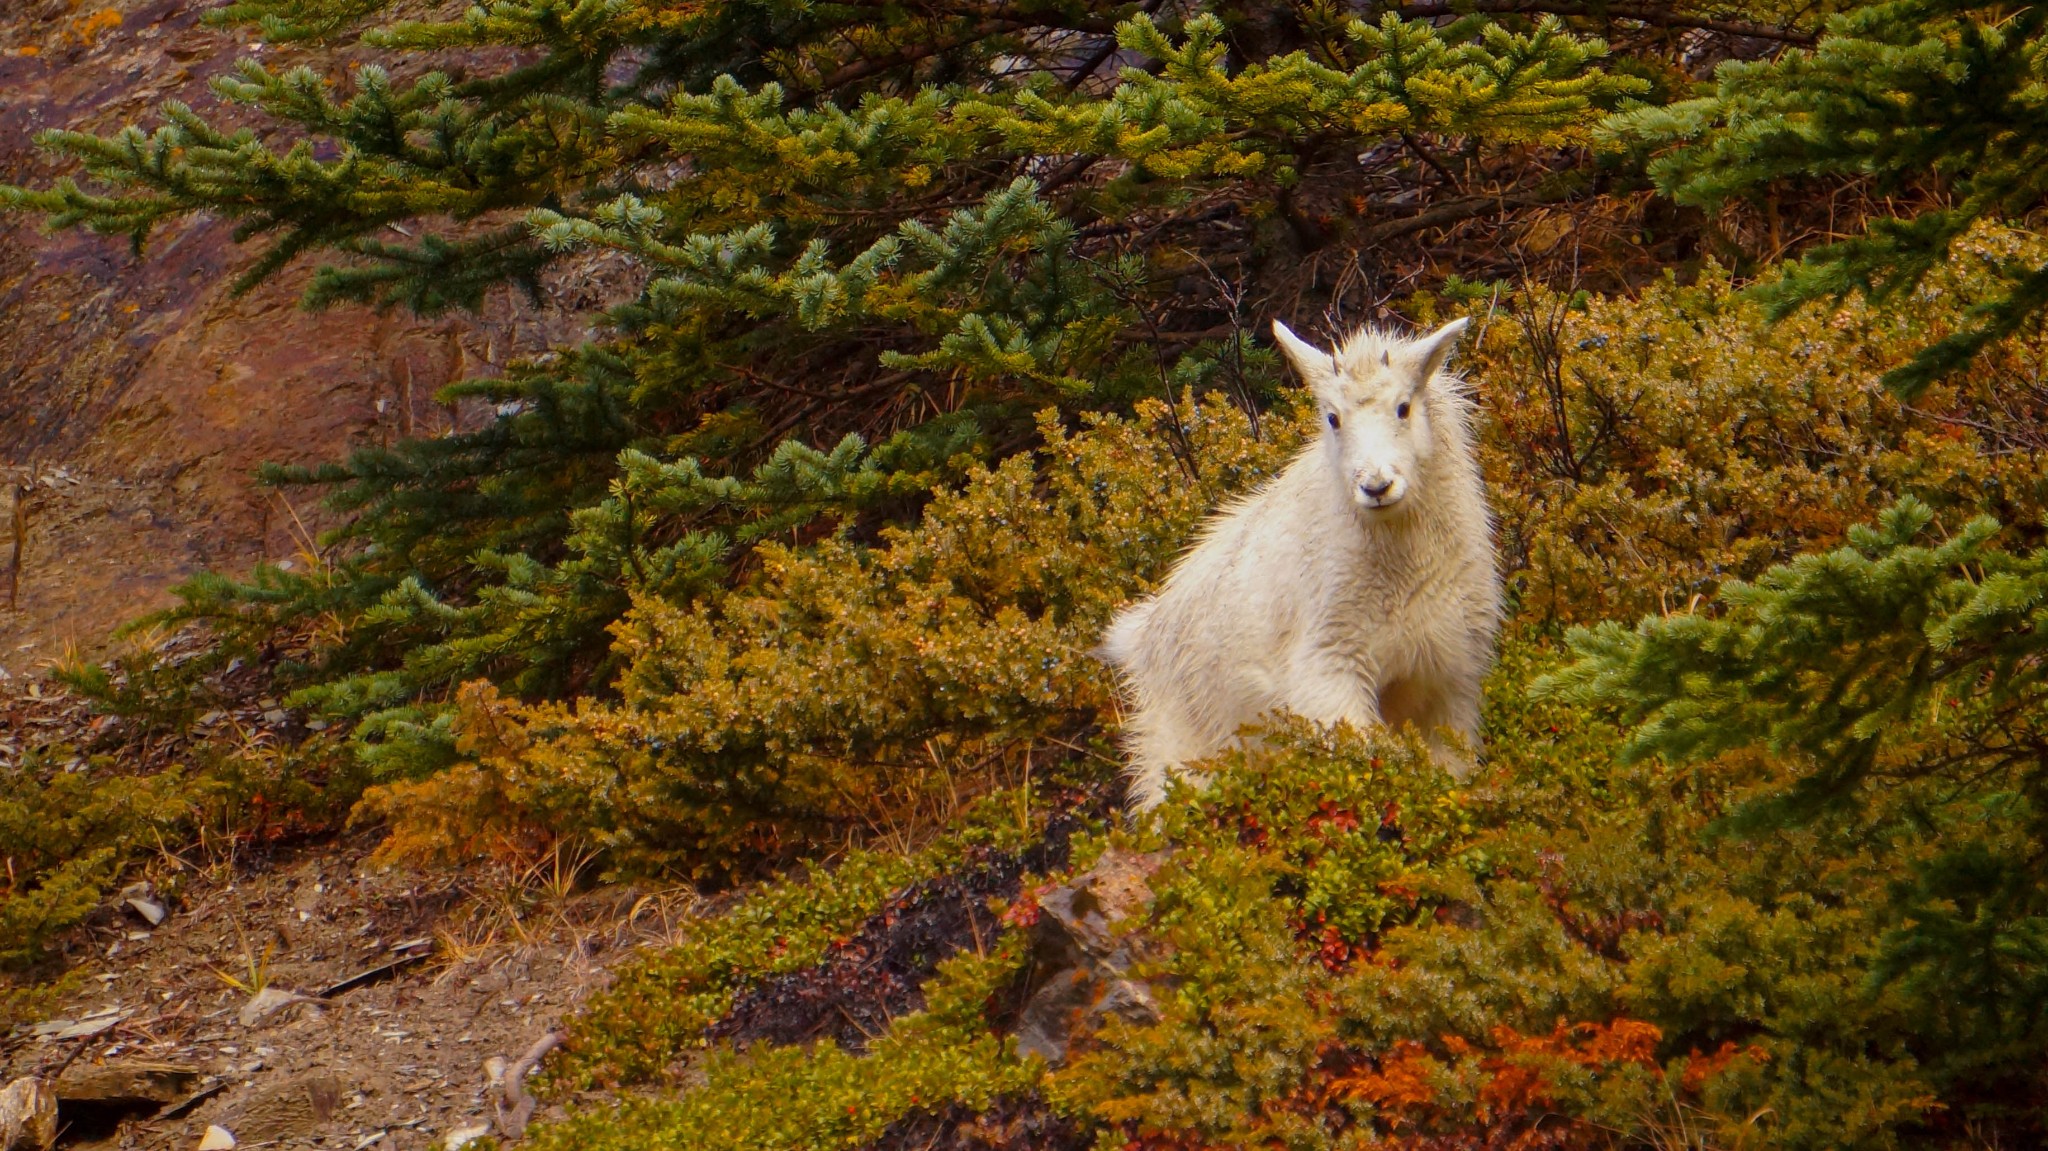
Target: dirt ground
{"x": 137, "y": 397}
{"x": 400, "y": 1062}
{"x": 301, "y": 993}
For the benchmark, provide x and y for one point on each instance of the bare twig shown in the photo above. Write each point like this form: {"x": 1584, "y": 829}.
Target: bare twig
{"x": 515, "y": 1107}
{"x": 21, "y": 491}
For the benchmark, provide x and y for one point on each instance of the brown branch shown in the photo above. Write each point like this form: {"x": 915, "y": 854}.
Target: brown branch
{"x": 1068, "y": 172}
{"x": 1429, "y": 157}
{"x": 515, "y": 1106}
{"x": 1457, "y": 211}
{"x": 1642, "y": 13}
{"x": 1087, "y": 67}
{"x": 912, "y": 53}
{"x": 21, "y": 491}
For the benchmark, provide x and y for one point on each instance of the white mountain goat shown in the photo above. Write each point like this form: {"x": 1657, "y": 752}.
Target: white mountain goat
{"x": 1357, "y": 586}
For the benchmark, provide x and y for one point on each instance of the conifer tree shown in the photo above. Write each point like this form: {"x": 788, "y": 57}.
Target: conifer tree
{"x": 878, "y": 239}
{"x": 1939, "y": 103}
{"x": 1901, "y": 677}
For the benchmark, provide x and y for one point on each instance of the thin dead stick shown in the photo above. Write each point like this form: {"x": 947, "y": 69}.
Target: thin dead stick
{"x": 21, "y": 491}
{"x": 515, "y": 1106}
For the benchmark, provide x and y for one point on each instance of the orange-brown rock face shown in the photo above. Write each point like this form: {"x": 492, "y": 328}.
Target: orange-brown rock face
{"x": 140, "y": 395}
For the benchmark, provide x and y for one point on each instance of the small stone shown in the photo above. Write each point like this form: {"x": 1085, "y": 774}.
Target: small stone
{"x": 142, "y": 899}
{"x": 269, "y": 1002}
{"x": 217, "y": 1138}
{"x": 464, "y": 1135}
{"x": 28, "y": 1115}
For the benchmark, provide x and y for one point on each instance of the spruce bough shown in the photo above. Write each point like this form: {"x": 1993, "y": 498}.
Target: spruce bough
{"x": 1935, "y": 102}
{"x": 1901, "y": 674}
{"x": 878, "y": 240}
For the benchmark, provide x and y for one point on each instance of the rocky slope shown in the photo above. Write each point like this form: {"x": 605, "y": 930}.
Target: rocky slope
{"x": 140, "y": 394}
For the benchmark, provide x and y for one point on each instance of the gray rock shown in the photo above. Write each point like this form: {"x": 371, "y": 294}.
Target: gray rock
{"x": 269, "y": 1002}
{"x": 1083, "y": 949}
{"x": 28, "y": 1115}
{"x": 292, "y": 1109}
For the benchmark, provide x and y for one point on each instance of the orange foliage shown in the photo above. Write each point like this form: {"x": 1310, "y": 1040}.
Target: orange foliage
{"x": 87, "y": 29}
{"x": 1514, "y": 1081}
{"x": 1702, "y": 1068}
{"x": 1517, "y": 1075}
{"x": 1405, "y": 1078}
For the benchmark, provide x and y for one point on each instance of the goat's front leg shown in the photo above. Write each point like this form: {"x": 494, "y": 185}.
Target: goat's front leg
{"x": 1331, "y": 691}
{"x": 1447, "y": 719}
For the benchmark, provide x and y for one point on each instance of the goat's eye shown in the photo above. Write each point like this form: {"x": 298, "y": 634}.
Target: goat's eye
{"x": 1402, "y": 411}
{"x": 1332, "y": 417}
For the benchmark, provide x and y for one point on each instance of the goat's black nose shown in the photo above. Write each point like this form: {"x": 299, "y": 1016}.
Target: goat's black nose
{"x": 1375, "y": 491}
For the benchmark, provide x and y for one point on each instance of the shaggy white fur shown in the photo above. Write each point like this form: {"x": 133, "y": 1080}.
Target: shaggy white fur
{"x": 1359, "y": 586}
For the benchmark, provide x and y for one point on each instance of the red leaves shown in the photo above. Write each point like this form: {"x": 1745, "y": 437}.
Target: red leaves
{"x": 1700, "y": 1069}
{"x": 1405, "y": 1079}
{"x": 1024, "y": 912}
{"x": 1334, "y": 952}
{"x": 1330, "y": 817}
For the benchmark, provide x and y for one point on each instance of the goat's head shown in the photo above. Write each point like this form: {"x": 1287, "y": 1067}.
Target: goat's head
{"x": 1375, "y": 398}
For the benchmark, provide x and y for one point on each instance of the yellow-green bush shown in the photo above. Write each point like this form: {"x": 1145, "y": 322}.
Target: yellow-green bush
{"x": 657, "y": 1012}
{"x": 1639, "y": 453}
{"x": 1572, "y": 952}
{"x": 846, "y": 679}
{"x": 1642, "y": 450}
{"x": 64, "y": 836}
{"x": 1347, "y": 951}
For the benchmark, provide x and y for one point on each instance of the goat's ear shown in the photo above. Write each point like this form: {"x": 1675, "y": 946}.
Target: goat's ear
{"x": 1435, "y": 348}
{"x": 1311, "y": 364}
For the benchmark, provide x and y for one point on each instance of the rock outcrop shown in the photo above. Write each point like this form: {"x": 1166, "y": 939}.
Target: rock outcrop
{"x": 1084, "y": 949}
{"x": 140, "y": 393}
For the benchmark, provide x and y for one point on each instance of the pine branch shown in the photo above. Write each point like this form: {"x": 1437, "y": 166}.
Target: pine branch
{"x": 1656, "y": 15}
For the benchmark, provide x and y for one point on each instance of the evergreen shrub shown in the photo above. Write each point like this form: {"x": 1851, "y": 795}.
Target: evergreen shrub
{"x": 1738, "y": 931}
{"x": 878, "y": 241}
